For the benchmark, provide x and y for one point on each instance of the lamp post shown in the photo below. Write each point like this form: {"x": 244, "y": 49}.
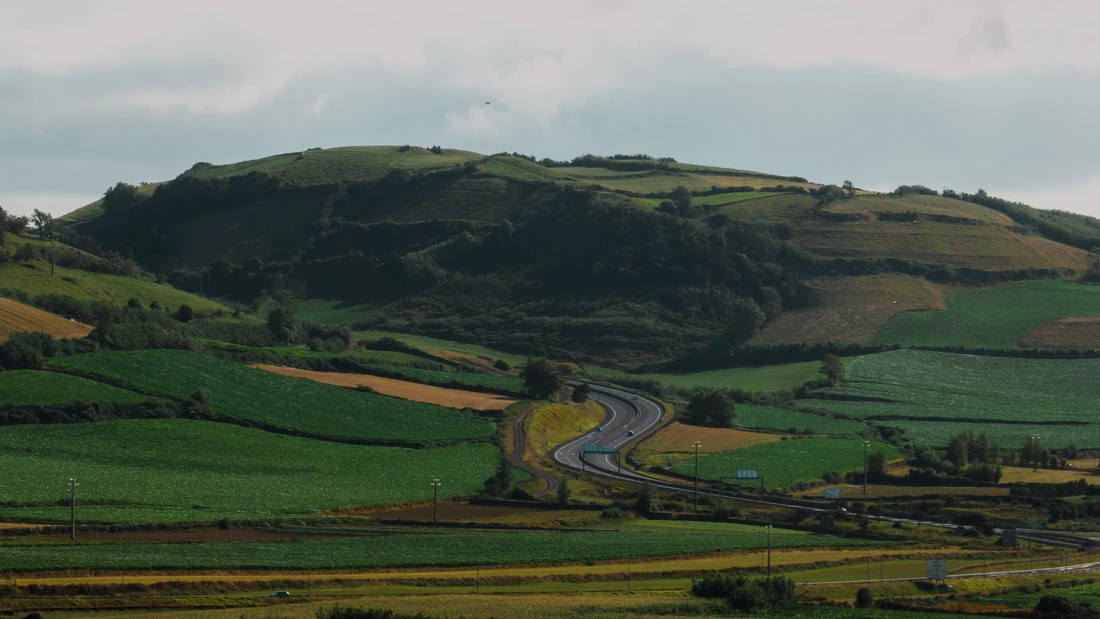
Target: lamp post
{"x": 435, "y": 501}
{"x": 696, "y": 444}
{"x": 72, "y": 508}
{"x": 866, "y": 444}
{"x": 1035, "y": 452}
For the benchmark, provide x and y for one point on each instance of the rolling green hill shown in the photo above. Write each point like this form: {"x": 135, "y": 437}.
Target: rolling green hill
{"x": 582, "y": 259}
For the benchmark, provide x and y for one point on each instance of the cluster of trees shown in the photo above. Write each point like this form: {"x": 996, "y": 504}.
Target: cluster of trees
{"x": 744, "y": 594}
{"x": 541, "y": 378}
{"x": 969, "y": 456}
{"x": 710, "y": 408}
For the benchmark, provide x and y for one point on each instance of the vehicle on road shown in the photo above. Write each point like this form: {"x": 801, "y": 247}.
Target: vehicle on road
{"x": 280, "y": 594}
{"x": 599, "y": 429}
{"x": 631, "y": 433}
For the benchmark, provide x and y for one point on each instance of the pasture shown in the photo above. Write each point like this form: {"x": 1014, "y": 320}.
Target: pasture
{"x": 411, "y": 550}
{"x": 424, "y": 342}
{"x": 933, "y": 395}
{"x": 994, "y": 317}
{"x": 784, "y": 420}
{"x": 37, "y": 388}
{"x": 915, "y": 203}
{"x": 786, "y": 462}
{"x": 15, "y": 316}
{"x": 187, "y": 464}
{"x": 247, "y": 393}
{"x": 774, "y": 208}
{"x": 853, "y": 309}
{"x": 763, "y": 378}
{"x": 987, "y": 247}
{"x": 415, "y": 392}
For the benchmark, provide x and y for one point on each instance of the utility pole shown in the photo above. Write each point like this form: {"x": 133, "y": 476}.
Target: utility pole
{"x": 72, "y": 508}
{"x": 769, "y": 551}
{"x": 628, "y": 574}
{"x": 309, "y": 572}
{"x": 865, "y": 445}
{"x": 477, "y": 580}
{"x": 435, "y": 501}
{"x": 696, "y": 444}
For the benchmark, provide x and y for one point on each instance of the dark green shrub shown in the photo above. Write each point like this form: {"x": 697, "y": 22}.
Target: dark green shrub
{"x": 864, "y": 598}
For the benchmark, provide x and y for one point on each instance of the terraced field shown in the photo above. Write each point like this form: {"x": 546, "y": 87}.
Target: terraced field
{"x": 248, "y": 393}
{"x": 15, "y": 316}
{"x": 433, "y": 377}
{"x": 424, "y": 342}
{"x": 786, "y": 462}
{"x": 37, "y": 388}
{"x": 184, "y": 464}
{"x": 932, "y": 395}
{"x": 994, "y": 317}
{"x": 411, "y": 549}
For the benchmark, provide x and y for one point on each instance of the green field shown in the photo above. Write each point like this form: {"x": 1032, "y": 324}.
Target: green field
{"x": 293, "y": 403}
{"x": 764, "y": 378}
{"x": 772, "y": 418}
{"x": 181, "y": 463}
{"x": 993, "y": 317}
{"x": 407, "y": 550}
{"x": 344, "y": 164}
{"x": 35, "y": 388}
{"x": 718, "y": 199}
{"x": 302, "y": 352}
{"x": 921, "y": 389}
{"x": 328, "y": 312}
{"x": 422, "y": 342}
{"x": 781, "y": 207}
{"x": 98, "y": 287}
{"x": 432, "y": 377}
{"x": 787, "y": 462}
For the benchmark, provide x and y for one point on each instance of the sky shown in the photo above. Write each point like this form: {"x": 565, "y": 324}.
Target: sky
{"x": 997, "y": 94}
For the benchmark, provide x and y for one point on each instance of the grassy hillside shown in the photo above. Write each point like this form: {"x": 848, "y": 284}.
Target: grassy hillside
{"x": 292, "y": 403}
{"x": 16, "y": 316}
{"x": 764, "y": 378}
{"x": 195, "y": 466}
{"x": 932, "y": 395}
{"x": 994, "y": 317}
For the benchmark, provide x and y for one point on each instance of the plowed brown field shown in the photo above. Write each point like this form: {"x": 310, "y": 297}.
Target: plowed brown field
{"x": 451, "y": 398}
{"x": 15, "y": 317}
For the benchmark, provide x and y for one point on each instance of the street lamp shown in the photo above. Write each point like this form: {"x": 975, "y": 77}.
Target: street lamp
{"x": 72, "y": 508}
{"x": 696, "y": 445}
{"x": 866, "y": 444}
{"x": 435, "y": 501}
{"x": 1035, "y": 452}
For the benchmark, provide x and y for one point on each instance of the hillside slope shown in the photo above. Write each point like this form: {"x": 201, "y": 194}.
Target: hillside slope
{"x": 626, "y": 258}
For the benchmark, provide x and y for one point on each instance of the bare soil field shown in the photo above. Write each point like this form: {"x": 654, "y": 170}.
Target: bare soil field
{"x": 451, "y": 398}
{"x": 15, "y": 317}
{"x": 677, "y": 438}
{"x": 1072, "y": 332}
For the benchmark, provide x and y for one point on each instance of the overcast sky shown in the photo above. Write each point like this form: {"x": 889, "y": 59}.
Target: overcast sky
{"x": 997, "y": 95}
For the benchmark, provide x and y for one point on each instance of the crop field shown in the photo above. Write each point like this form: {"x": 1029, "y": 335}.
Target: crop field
{"x": 994, "y": 317}
{"x": 409, "y": 550}
{"x": 718, "y": 199}
{"x": 787, "y": 462}
{"x": 37, "y": 388}
{"x": 416, "y": 392}
{"x": 302, "y": 352}
{"x": 36, "y": 279}
{"x": 291, "y": 403}
{"x": 181, "y": 463}
{"x": 428, "y": 343}
{"x": 986, "y": 247}
{"x": 914, "y": 203}
{"x": 15, "y": 316}
{"x": 763, "y": 378}
{"x": 329, "y": 312}
{"x": 932, "y": 395}
{"x": 433, "y": 377}
{"x": 853, "y": 309}
{"x": 772, "y": 418}
{"x": 672, "y": 442}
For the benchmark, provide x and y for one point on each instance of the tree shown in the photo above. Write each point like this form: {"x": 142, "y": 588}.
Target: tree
{"x": 540, "y": 378}
{"x": 713, "y": 409}
{"x": 647, "y": 502}
{"x": 185, "y": 313}
{"x": 502, "y": 365}
{"x": 957, "y": 449}
{"x": 45, "y": 226}
{"x": 876, "y": 463}
{"x": 849, "y": 188}
{"x": 564, "y": 492}
{"x": 3, "y": 226}
{"x": 1032, "y": 452}
{"x": 681, "y": 199}
{"x": 120, "y": 198}
{"x": 580, "y": 393}
{"x": 833, "y": 369}
{"x": 745, "y": 321}
{"x": 280, "y": 320}
{"x": 864, "y": 598}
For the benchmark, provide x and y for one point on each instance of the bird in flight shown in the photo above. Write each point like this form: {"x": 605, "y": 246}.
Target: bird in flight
{"x": 488, "y": 103}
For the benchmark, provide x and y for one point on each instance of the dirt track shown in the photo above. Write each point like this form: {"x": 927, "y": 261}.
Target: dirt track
{"x": 451, "y": 398}
{"x": 519, "y": 446}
